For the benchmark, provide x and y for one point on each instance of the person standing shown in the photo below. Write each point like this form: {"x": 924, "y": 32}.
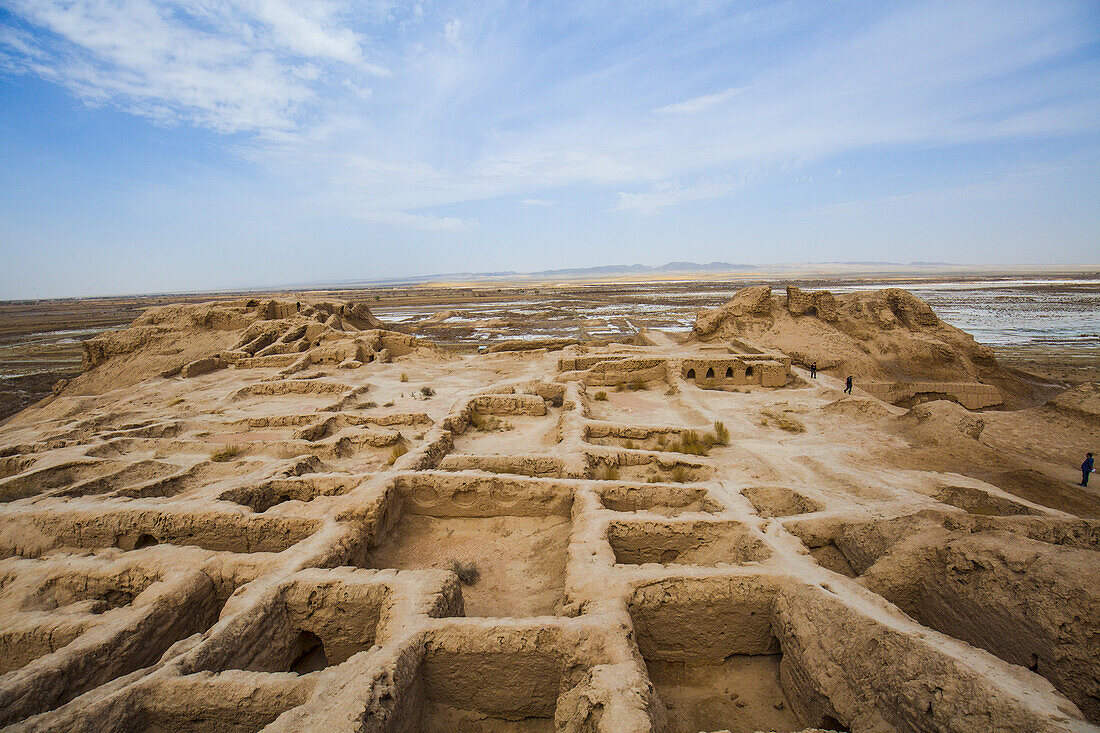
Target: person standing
{"x": 813, "y": 370}
{"x": 1086, "y": 469}
{"x": 848, "y": 386}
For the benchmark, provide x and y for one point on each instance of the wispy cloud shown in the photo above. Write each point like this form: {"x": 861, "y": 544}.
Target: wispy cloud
{"x": 251, "y": 66}
{"x": 428, "y": 222}
{"x": 698, "y": 104}
{"x": 664, "y": 195}
{"x": 396, "y": 109}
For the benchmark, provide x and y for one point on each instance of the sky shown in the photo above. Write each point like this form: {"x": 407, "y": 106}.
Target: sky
{"x": 151, "y": 146}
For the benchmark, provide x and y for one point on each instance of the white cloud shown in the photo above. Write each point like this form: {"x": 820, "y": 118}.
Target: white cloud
{"x": 250, "y": 66}
{"x": 698, "y": 104}
{"x": 427, "y": 222}
{"x": 673, "y": 193}
{"x": 393, "y": 109}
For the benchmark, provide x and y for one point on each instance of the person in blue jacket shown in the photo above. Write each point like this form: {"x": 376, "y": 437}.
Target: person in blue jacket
{"x": 1086, "y": 469}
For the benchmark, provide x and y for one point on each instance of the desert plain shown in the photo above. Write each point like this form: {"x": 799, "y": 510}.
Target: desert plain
{"x": 310, "y": 511}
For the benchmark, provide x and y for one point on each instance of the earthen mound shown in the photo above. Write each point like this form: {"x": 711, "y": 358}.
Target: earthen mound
{"x": 943, "y": 420}
{"x": 858, "y": 407}
{"x": 1081, "y": 402}
{"x": 886, "y": 336}
{"x": 192, "y": 339}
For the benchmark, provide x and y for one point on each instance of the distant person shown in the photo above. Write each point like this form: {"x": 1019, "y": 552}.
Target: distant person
{"x": 1086, "y": 469}
{"x": 813, "y": 370}
{"x": 848, "y": 386}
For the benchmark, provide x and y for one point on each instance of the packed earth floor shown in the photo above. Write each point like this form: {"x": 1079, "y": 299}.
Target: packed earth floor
{"x": 345, "y": 529}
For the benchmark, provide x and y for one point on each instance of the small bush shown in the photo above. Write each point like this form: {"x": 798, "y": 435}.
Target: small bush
{"x": 636, "y": 385}
{"x": 467, "y": 571}
{"x": 404, "y": 377}
{"x": 427, "y": 391}
{"x": 721, "y": 433}
{"x": 366, "y": 405}
{"x": 228, "y": 453}
{"x": 680, "y": 475}
{"x": 605, "y": 472}
{"x": 377, "y": 298}
{"x": 397, "y": 451}
{"x": 388, "y": 404}
{"x": 601, "y": 396}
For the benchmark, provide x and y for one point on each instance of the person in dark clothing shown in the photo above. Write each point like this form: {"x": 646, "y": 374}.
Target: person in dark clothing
{"x": 1086, "y": 469}
{"x": 848, "y": 386}
{"x": 813, "y": 370}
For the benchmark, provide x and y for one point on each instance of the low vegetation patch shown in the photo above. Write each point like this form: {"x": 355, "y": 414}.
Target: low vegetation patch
{"x": 605, "y": 472}
{"x": 601, "y": 396}
{"x": 466, "y": 570}
{"x": 427, "y": 392}
{"x": 228, "y": 453}
{"x": 696, "y": 444}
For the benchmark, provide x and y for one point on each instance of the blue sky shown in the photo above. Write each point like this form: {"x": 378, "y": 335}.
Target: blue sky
{"x": 163, "y": 146}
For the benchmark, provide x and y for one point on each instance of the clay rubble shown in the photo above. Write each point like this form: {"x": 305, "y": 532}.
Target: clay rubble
{"x": 284, "y": 515}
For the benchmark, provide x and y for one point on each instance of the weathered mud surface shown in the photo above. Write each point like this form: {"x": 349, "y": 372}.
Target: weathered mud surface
{"x": 302, "y": 520}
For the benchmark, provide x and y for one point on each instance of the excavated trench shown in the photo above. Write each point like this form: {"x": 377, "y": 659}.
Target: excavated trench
{"x": 710, "y": 651}
{"x": 307, "y": 627}
{"x": 519, "y": 560}
{"x": 513, "y": 691}
{"x": 684, "y": 543}
{"x": 779, "y": 501}
{"x": 669, "y": 501}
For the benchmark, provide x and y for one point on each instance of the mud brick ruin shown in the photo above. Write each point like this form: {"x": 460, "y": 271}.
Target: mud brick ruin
{"x": 285, "y": 516}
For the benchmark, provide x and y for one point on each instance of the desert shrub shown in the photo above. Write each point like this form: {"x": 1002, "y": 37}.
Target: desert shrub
{"x": 679, "y": 475}
{"x": 601, "y": 396}
{"x": 397, "y": 451}
{"x": 721, "y": 433}
{"x": 427, "y": 391}
{"x": 377, "y": 298}
{"x": 228, "y": 453}
{"x": 466, "y": 570}
{"x": 636, "y": 385}
{"x": 605, "y": 472}
{"x": 366, "y": 405}
{"x": 388, "y": 404}
{"x": 404, "y": 377}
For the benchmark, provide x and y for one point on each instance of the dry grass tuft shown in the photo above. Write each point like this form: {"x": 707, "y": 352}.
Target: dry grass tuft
{"x": 601, "y": 396}
{"x": 605, "y": 472}
{"x": 466, "y": 570}
{"x": 228, "y": 453}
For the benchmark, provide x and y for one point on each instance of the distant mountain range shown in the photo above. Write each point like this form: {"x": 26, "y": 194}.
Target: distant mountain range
{"x": 602, "y": 271}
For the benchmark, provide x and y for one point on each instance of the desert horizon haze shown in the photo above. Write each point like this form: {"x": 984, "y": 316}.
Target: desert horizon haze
{"x": 160, "y": 146}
